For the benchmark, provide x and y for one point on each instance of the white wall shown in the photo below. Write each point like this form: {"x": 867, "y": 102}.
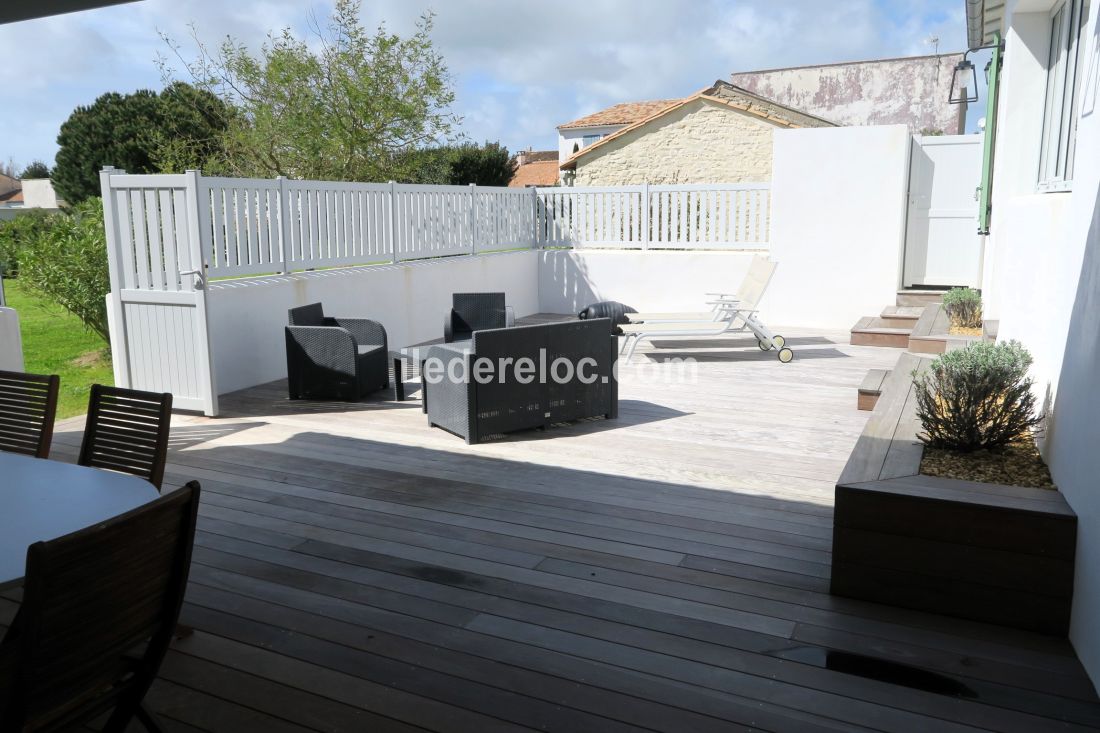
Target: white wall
{"x": 1042, "y": 280}
{"x": 653, "y": 280}
{"x": 569, "y": 136}
{"x": 838, "y": 220}
{"x": 11, "y": 344}
{"x": 38, "y": 193}
{"x": 246, "y": 317}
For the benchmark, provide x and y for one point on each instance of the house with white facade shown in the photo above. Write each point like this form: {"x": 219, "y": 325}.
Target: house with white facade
{"x": 18, "y": 195}
{"x": 584, "y": 131}
{"x": 721, "y": 134}
{"x": 1041, "y": 278}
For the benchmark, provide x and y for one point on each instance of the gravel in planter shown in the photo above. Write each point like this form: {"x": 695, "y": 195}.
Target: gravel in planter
{"x": 1018, "y": 464}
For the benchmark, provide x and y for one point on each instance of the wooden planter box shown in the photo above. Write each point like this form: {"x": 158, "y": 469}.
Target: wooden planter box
{"x": 997, "y": 554}
{"x": 931, "y": 333}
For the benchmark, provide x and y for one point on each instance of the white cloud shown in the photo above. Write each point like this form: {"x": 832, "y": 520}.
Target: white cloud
{"x": 520, "y": 68}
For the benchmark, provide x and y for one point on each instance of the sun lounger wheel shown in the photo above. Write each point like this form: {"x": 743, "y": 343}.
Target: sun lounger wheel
{"x": 777, "y": 342}
{"x": 785, "y": 355}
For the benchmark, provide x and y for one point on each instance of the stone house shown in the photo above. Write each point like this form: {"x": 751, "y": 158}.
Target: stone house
{"x": 590, "y": 129}
{"x": 722, "y": 134}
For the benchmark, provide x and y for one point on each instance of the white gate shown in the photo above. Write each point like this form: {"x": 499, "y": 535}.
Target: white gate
{"x": 158, "y": 301}
{"x": 942, "y": 245}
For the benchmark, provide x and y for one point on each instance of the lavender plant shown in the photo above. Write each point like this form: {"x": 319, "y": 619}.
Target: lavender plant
{"x": 977, "y": 398}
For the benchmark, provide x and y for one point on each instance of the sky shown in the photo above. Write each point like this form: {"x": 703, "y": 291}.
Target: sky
{"x": 519, "y": 67}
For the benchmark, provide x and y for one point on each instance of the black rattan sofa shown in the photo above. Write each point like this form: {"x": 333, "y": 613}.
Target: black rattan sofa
{"x": 475, "y": 409}
{"x": 340, "y": 358}
{"x": 474, "y": 312}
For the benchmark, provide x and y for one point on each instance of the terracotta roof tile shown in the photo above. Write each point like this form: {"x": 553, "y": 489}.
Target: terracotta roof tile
{"x": 539, "y": 173}
{"x": 622, "y": 114}
{"x": 535, "y": 156}
{"x": 16, "y": 196}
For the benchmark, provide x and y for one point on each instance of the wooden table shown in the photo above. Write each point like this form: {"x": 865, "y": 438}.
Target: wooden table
{"x": 43, "y": 500}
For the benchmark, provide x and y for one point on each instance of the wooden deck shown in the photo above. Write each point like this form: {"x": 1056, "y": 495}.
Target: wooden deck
{"x": 358, "y": 571}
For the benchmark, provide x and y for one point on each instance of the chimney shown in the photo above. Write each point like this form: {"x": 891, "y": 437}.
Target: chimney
{"x": 521, "y": 157}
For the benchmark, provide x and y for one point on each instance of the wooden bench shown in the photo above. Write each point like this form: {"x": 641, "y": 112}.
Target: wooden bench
{"x": 998, "y": 554}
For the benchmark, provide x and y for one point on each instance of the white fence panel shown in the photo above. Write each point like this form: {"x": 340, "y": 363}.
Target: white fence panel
{"x": 505, "y": 218}
{"x": 727, "y": 216}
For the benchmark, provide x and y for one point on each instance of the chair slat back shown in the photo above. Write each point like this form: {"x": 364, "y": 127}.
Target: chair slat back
{"x": 477, "y": 311}
{"x": 756, "y": 282}
{"x": 127, "y": 431}
{"x": 306, "y": 315}
{"x": 99, "y": 609}
{"x": 28, "y": 405}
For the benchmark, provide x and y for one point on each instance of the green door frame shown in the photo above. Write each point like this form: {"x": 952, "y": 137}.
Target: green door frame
{"x": 993, "y": 86}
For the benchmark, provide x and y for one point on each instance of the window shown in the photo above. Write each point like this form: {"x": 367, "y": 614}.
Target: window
{"x": 589, "y": 139}
{"x": 1063, "y": 87}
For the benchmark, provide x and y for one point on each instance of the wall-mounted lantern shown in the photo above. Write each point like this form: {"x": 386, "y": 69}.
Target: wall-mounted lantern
{"x": 964, "y": 83}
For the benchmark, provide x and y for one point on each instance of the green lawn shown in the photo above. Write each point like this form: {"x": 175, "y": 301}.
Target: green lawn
{"x": 55, "y": 342}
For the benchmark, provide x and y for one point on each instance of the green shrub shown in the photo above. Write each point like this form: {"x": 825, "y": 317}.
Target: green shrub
{"x": 977, "y": 398}
{"x": 17, "y": 234}
{"x": 964, "y": 307}
{"x": 67, "y": 263}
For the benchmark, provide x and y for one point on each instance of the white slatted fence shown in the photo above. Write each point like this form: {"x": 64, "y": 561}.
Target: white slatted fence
{"x": 720, "y": 216}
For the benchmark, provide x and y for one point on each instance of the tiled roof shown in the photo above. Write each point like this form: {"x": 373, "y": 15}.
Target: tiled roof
{"x": 626, "y": 113}
{"x": 12, "y": 197}
{"x": 535, "y": 156}
{"x": 721, "y": 92}
{"x": 539, "y": 173}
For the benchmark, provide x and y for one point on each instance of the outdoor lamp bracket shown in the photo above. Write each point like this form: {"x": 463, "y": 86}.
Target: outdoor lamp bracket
{"x": 964, "y": 79}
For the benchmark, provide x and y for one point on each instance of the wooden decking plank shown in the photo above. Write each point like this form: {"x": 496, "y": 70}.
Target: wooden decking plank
{"x": 289, "y": 703}
{"x": 488, "y": 523}
{"x": 404, "y": 708}
{"x": 494, "y": 700}
{"x": 210, "y": 713}
{"x": 739, "y": 606}
{"x": 541, "y": 674}
{"x": 753, "y": 664}
{"x": 767, "y": 580}
{"x": 528, "y": 594}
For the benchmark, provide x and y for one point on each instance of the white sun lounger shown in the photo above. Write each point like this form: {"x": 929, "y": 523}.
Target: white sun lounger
{"x": 729, "y": 317}
{"x": 752, "y": 289}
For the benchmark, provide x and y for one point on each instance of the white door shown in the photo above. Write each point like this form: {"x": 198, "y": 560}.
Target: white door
{"x": 157, "y": 305}
{"x": 942, "y": 246}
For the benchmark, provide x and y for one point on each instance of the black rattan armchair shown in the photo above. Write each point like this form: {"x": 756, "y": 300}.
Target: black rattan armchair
{"x": 341, "y": 358}
{"x": 459, "y": 401}
{"x": 475, "y": 312}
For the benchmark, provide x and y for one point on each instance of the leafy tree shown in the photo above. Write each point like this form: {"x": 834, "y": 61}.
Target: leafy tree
{"x": 67, "y": 263}
{"x": 36, "y": 169}
{"x": 190, "y": 134}
{"x": 142, "y": 132}
{"x": 115, "y": 130}
{"x": 486, "y": 165}
{"x": 19, "y": 233}
{"x": 350, "y": 110}
{"x": 458, "y": 165}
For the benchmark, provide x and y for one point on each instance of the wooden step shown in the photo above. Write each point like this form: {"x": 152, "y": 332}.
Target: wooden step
{"x": 911, "y": 297}
{"x": 901, "y": 316}
{"x": 871, "y": 389}
{"x": 871, "y": 332}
